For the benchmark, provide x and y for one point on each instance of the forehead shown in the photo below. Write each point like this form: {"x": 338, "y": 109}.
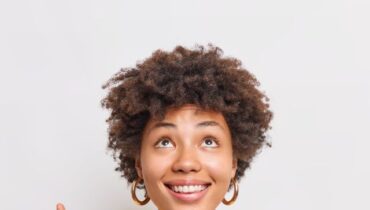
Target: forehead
{"x": 186, "y": 117}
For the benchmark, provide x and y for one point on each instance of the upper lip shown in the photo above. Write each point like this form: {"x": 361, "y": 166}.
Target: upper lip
{"x": 186, "y": 182}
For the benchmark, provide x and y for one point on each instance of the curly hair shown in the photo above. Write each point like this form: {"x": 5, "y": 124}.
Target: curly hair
{"x": 199, "y": 76}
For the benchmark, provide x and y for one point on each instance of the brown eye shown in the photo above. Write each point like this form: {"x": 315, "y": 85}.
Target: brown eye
{"x": 210, "y": 142}
{"x": 164, "y": 143}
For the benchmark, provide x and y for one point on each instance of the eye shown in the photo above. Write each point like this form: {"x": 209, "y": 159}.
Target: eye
{"x": 164, "y": 143}
{"x": 210, "y": 142}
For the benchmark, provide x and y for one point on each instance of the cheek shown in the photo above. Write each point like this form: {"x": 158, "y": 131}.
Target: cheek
{"x": 151, "y": 168}
{"x": 219, "y": 167}
{"x": 154, "y": 167}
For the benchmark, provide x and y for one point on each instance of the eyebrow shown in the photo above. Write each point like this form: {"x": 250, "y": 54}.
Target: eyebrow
{"x": 171, "y": 125}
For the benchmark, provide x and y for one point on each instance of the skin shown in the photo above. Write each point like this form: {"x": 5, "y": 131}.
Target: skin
{"x": 187, "y": 148}
{"x": 190, "y": 144}
{"x": 60, "y": 206}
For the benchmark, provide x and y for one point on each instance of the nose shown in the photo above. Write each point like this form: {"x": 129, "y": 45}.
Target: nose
{"x": 187, "y": 161}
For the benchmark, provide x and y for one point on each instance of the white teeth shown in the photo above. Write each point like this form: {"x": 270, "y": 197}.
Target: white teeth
{"x": 188, "y": 188}
{"x": 192, "y": 188}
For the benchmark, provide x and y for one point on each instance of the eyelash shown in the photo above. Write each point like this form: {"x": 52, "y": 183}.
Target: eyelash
{"x": 213, "y": 139}
{"x": 160, "y": 140}
{"x": 157, "y": 144}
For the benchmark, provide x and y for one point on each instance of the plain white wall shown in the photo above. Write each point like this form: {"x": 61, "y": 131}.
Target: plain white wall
{"x": 311, "y": 57}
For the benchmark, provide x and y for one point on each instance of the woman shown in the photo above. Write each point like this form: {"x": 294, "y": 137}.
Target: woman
{"x": 185, "y": 126}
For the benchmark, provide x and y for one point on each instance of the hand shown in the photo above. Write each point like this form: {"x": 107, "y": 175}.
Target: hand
{"x": 60, "y": 206}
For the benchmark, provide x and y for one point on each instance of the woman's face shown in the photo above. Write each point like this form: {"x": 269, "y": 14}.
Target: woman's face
{"x": 186, "y": 159}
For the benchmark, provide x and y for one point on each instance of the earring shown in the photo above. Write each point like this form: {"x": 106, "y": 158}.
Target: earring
{"x": 236, "y": 191}
{"x": 133, "y": 193}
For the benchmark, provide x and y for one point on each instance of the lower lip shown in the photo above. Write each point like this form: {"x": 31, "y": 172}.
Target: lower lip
{"x": 188, "y": 197}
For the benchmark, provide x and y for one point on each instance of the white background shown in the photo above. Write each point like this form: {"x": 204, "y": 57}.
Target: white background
{"x": 311, "y": 57}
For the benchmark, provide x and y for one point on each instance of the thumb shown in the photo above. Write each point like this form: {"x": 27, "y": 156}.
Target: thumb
{"x": 60, "y": 206}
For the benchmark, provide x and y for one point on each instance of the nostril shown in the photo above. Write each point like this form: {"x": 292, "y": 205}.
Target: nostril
{"x": 187, "y": 165}
{"x": 187, "y": 169}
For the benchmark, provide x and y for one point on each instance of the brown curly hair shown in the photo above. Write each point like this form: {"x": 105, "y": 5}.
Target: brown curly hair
{"x": 200, "y": 76}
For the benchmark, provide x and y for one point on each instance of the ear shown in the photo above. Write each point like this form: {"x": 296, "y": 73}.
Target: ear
{"x": 138, "y": 167}
{"x": 234, "y": 167}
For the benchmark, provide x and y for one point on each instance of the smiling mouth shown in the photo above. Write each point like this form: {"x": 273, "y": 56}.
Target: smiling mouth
{"x": 187, "y": 189}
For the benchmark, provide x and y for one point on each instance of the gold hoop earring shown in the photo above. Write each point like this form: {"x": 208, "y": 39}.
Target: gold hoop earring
{"x": 236, "y": 191}
{"x": 133, "y": 193}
